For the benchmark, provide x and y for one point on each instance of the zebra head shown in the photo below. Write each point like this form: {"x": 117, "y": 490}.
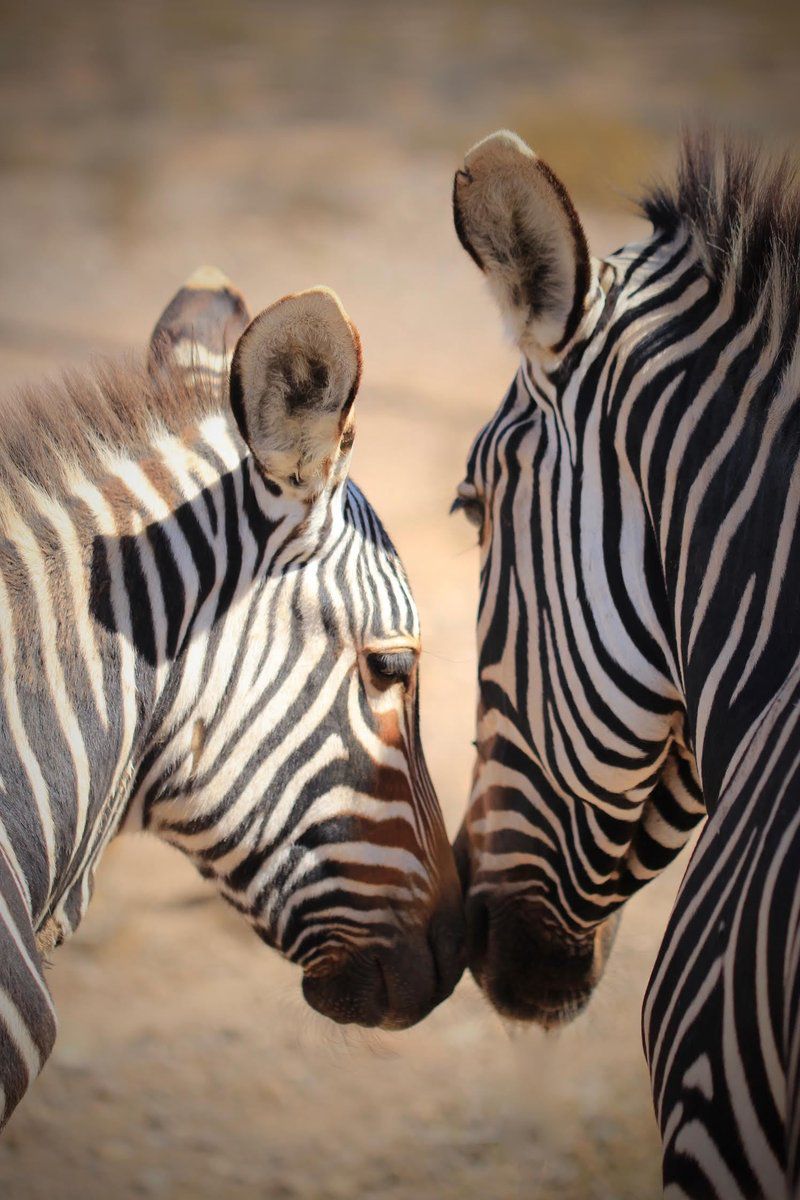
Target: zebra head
{"x": 583, "y": 787}
{"x": 286, "y": 761}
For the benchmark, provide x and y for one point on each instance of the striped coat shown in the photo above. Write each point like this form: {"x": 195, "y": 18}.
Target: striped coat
{"x": 206, "y": 633}
{"x": 637, "y": 497}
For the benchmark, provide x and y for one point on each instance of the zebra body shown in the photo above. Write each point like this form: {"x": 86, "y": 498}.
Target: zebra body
{"x": 206, "y": 633}
{"x": 639, "y": 635}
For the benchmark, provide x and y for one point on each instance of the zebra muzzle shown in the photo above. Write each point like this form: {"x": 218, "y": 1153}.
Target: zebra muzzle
{"x": 393, "y": 986}
{"x": 529, "y": 972}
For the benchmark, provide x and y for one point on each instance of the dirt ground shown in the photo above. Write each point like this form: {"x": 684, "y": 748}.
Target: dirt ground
{"x": 293, "y": 145}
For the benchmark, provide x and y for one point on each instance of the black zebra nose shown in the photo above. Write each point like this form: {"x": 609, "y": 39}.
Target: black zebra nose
{"x": 529, "y": 970}
{"x": 395, "y": 986}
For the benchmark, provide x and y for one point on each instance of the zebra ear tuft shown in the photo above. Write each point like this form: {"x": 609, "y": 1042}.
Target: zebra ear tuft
{"x": 199, "y": 328}
{"x": 294, "y": 377}
{"x": 515, "y": 218}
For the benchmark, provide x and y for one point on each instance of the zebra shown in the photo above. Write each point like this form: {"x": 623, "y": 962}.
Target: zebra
{"x": 636, "y": 495}
{"x": 205, "y": 633}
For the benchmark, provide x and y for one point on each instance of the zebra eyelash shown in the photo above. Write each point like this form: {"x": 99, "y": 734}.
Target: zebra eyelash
{"x": 391, "y": 666}
{"x": 472, "y": 508}
{"x": 392, "y": 663}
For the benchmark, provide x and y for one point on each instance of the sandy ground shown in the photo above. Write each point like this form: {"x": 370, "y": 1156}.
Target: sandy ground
{"x": 141, "y": 141}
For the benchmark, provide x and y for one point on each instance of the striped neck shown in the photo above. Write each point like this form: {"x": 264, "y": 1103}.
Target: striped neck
{"x": 132, "y": 594}
{"x": 701, "y": 393}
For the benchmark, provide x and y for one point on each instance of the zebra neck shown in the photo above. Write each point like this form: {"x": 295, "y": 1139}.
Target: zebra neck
{"x": 196, "y": 571}
{"x": 110, "y": 597}
{"x": 721, "y": 483}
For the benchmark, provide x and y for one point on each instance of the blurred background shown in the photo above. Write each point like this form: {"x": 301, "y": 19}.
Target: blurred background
{"x": 293, "y": 144}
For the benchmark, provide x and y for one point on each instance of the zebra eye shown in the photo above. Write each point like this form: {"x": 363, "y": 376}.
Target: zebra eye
{"x": 471, "y": 507}
{"x": 391, "y": 666}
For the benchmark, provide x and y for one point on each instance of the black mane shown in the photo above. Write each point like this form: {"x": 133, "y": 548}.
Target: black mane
{"x": 742, "y": 209}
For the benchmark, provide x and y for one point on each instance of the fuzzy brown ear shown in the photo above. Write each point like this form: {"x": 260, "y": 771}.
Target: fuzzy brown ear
{"x": 198, "y": 330}
{"x": 514, "y": 217}
{"x": 294, "y": 377}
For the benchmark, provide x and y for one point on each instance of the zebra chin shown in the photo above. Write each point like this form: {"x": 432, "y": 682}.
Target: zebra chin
{"x": 395, "y": 986}
{"x": 529, "y": 971}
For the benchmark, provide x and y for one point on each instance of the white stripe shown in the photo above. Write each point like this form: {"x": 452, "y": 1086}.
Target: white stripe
{"x": 19, "y": 735}
{"x": 20, "y": 1034}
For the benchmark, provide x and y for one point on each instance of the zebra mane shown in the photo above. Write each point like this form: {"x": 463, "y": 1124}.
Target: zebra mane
{"x": 742, "y": 209}
{"x": 50, "y": 429}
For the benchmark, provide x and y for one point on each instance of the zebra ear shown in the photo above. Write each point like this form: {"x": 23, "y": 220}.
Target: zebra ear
{"x": 516, "y": 220}
{"x": 294, "y": 377}
{"x": 198, "y": 330}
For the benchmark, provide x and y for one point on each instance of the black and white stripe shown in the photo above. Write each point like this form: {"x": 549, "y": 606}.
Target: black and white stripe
{"x": 639, "y": 641}
{"x": 226, "y": 657}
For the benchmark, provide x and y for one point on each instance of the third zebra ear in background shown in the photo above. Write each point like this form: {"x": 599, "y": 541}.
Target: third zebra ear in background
{"x": 198, "y": 330}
